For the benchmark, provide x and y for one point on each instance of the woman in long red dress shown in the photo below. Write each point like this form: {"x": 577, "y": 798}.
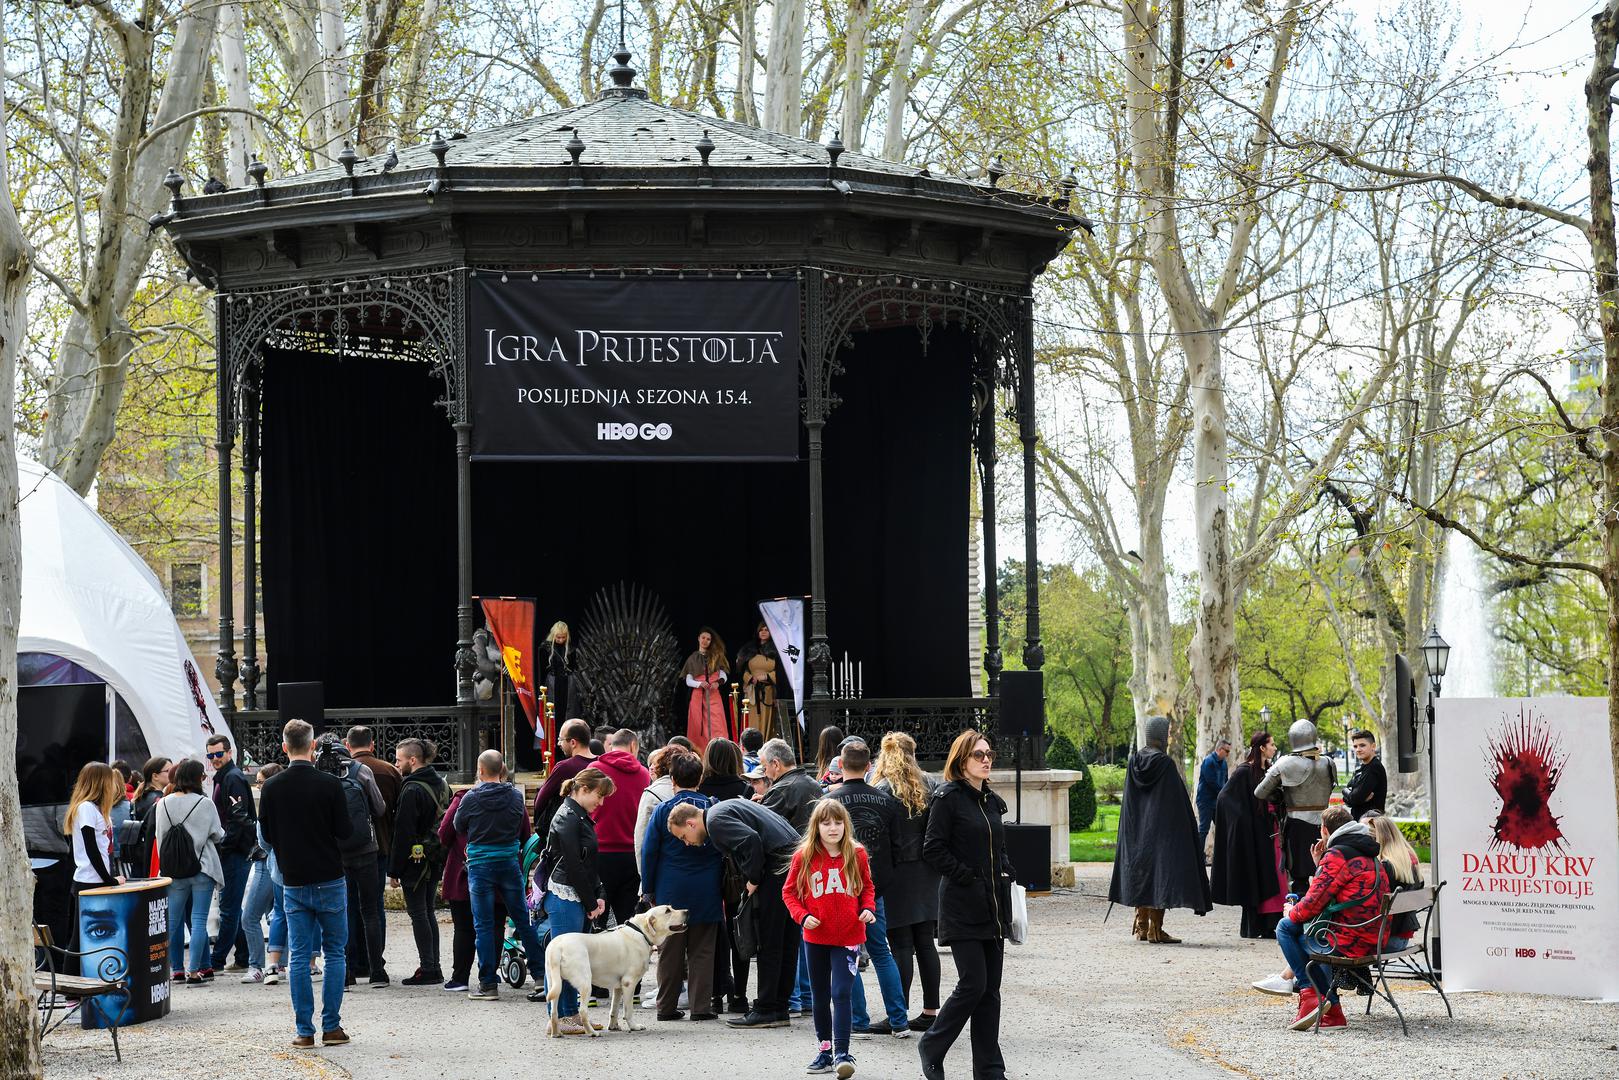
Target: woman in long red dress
{"x": 707, "y": 671}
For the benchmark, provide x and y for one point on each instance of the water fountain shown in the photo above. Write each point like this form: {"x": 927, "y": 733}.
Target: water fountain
{"x": 1463, "y": 617}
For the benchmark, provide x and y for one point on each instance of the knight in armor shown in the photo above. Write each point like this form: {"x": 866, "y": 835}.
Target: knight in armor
{"x": 1158, "y": 863}
{"x": 1301, "y": 783}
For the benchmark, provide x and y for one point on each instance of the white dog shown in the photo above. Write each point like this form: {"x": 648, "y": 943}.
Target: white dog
{"x": 616, "y": 960}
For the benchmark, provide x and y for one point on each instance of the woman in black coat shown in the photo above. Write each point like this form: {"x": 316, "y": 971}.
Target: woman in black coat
{"x": 1246, "y": 870}
{"x": 911, "y": 901}
{"x": 966, "y": 843}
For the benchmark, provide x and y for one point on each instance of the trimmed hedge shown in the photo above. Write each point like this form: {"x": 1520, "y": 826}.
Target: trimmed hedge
{"x": 1418, "y": 833}
{"x": 1062, "y": 754}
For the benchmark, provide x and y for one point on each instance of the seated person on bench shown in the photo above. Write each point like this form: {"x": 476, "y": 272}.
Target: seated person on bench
{"x": 1349, "y": 887}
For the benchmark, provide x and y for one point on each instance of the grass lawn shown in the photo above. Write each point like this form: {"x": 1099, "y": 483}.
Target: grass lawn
{"x": 1096, "y": 843}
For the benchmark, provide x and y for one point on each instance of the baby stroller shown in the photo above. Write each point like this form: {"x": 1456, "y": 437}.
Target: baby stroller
{"x": 513, "y": 968}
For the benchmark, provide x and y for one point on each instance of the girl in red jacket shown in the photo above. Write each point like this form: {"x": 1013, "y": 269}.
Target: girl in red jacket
{"x": 830, "y": 894}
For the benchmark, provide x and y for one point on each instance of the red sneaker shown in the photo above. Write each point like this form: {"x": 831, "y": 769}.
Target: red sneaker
{"x": 1310, "y": 1005}
{"x": 1334, "y": 1017}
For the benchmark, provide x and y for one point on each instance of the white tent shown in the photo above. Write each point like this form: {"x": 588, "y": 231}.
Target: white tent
{"x": 87, "y": 597}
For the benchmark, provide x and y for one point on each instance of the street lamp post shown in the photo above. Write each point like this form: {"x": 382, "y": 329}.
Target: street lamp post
{"x": 1348, "y": 719}
{"x": 1436, "y": 656}
{"x": 1264, "y": 717}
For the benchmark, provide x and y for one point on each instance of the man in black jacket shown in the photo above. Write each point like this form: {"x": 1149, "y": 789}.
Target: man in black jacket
{"x": 416, "y": 859}
{"x": 233, "y": 798}
{"x": 878, "y": 818}
{"x": 304, "y": 816}
{"x": 793, "y": 792}
{"x": 759, "y": 845}
{"x": 1369, "y": 788}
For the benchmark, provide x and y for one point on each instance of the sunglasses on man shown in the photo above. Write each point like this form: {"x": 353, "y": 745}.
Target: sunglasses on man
{"x": 216, "y": 755}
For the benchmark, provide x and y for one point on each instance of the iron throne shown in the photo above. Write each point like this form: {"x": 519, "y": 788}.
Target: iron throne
{"x": 628, "y": 660}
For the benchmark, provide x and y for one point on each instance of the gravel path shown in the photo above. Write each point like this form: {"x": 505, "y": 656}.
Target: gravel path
{"x": 1081, "y": 998}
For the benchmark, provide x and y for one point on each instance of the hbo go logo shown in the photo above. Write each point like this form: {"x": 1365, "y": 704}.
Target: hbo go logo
{"x": 614, "y": 432}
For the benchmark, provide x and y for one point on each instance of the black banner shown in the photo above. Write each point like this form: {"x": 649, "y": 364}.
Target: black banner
{"x": 612, "y": 368}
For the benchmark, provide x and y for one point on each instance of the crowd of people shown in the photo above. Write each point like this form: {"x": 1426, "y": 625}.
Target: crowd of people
{"x": 1308, "y": 871}
{"x": 792, "y": 880}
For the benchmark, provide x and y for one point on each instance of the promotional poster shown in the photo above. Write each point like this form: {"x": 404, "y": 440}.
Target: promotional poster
{"x": 1527, "y": 846}
{"x": 124, "y": 930}
{"x": 640, "y": 368}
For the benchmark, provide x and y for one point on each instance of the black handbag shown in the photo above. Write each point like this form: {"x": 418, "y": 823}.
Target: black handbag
{"x": 745, "y": 928}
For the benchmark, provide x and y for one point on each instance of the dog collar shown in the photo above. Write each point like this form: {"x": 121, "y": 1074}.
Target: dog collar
{"x": 638, "y": 930}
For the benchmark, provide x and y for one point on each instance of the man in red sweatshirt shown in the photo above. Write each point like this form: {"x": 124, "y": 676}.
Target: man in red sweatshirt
{"x": 615, "y": 824}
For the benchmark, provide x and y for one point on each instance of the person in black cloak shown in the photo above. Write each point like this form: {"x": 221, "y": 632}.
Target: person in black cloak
{"x": 1158, "y": 863}
{"x": 1247, "y": 869}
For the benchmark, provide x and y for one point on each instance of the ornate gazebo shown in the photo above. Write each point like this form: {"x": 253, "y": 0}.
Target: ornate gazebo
{"x": 325, "y": 276}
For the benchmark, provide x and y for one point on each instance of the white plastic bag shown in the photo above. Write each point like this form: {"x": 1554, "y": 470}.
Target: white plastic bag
{"x": 1018, "y": 932}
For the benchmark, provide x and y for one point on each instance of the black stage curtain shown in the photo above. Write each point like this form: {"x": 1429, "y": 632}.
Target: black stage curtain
{"x": 896, "y": 496}
{"x": 359, "y": 527}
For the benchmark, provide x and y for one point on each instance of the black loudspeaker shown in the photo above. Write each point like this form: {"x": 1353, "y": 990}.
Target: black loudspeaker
{"x": 1023, "y": 704}
{"x": 1405, "y": 716}
{"x": 302, "y": 701}
{"x": 1029, "y": 847}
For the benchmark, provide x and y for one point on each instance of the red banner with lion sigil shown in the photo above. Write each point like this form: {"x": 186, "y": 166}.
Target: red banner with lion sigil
{"x": 512, "y": 623}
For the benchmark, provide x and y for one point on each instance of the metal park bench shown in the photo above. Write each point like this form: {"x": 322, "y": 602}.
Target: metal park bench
{"x": 60, "y": 995}
{"x": 1371, "y": 973}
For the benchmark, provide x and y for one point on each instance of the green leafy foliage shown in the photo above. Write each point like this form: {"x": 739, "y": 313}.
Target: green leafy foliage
{"x": 1062, "y": 754}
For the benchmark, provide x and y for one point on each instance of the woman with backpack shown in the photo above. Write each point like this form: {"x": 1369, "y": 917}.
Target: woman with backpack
{"x": 416, "y": 858}
{"x": 188, "y": 836}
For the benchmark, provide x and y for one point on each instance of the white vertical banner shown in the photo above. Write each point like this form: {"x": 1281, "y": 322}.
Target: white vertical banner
{"x": 785, "y": 618}
{"x": 1528, "y": 846}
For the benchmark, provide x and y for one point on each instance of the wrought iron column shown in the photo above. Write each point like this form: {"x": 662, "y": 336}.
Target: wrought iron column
{"x": 250, "y": 551}
{"x": 815, "y": 409}
{"x": 225, "y": 664}
{"x": 1034, "y": 656}
{"x": 463, "y": 562}
{"x": 985, "y": 439}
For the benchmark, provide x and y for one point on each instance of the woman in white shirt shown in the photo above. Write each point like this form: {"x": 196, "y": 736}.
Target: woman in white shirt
{"x": 88, "y": 825}
{"x": 187, "y": 808}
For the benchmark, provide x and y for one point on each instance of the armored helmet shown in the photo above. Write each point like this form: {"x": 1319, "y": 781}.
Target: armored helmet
{"x": 1158, "y": 732}
{"x": 1302, "y": 736}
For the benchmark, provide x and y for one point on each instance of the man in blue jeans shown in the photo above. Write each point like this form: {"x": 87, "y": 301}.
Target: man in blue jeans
{"x": 877, "y": 817}
{"x": 492, "y": 818}
{"x": 303, "y": 815}
{"x": 233, "y": 798}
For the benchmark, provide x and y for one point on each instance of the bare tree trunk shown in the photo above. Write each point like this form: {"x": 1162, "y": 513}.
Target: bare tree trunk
{"x": 784, "y": 68}
{"x": 899, "y": 82}
{"x": 855, "y": 32}
{"x": 1197, "y": 324}
{"x": 410, "y": 103}
{"x": 746, "y": 108}
{"x": 19, "y": 1022}
{"x": 1605, "y": 267}
{"x": 334, "y": 70}
{"x": 370, "y": 135}
{"x": 241, "y": 128}
{"x": 92, "y": 359}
